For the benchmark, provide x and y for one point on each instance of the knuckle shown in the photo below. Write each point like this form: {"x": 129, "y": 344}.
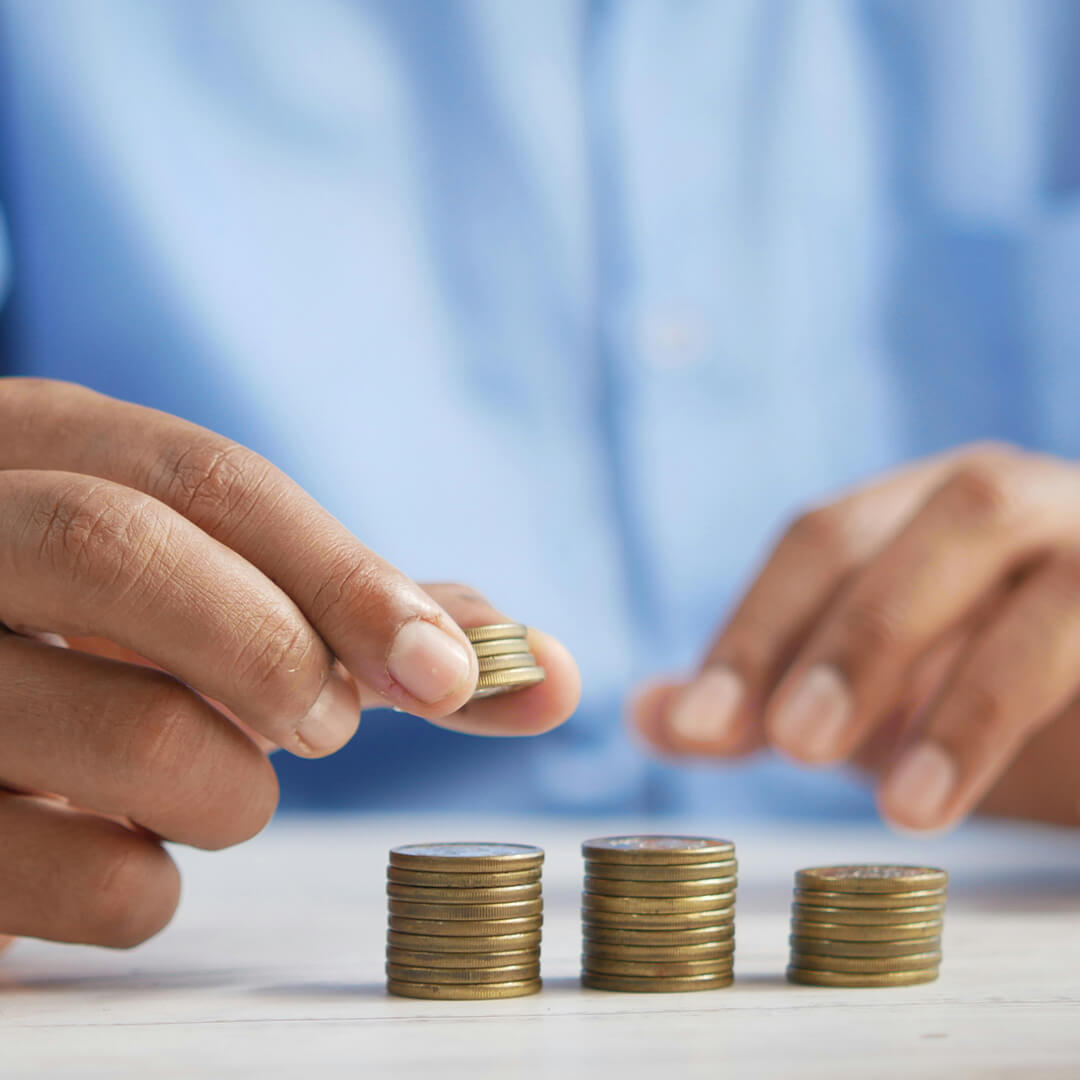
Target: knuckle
{"x": 350, "y": 586}
{"x": 871, "y": 627}
{"x": 978, "y": 714}
{"x": 134, "y": 894}
{"x": 217, "y": 484}
{"x": 980, "y": 492}
{"x": 162, "y": 736}
{"x": 282, "y": 661}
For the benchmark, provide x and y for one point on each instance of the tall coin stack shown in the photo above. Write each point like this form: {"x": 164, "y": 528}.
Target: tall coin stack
{"x": 867, "y": 925}
{"x": 464, "y": 921}
{"x": 658, "y": 913}
{"x": 505, "y": 660}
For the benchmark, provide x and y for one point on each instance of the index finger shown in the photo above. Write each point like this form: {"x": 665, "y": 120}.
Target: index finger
{"x": 390, "y": 634}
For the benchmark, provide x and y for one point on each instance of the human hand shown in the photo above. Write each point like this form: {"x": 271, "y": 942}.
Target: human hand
{"x": 926, "y": 627}
{"x": 260, "y": 618}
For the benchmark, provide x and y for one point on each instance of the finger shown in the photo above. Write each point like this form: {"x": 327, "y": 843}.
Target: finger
{"x": 88, "y": 556}
{"x": 647, "y": 717}
{"x": 1014, "y": 677}
{"x": 389, "y": 633}
{"x": 719, "y": 710}
{"x": 130, "y": 742}
{"x": 976, "y": 528}
{"x": 525, "y": 712}
{"x": 70, "y": 876}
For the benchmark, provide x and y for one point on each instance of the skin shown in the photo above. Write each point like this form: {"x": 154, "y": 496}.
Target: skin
{"x": 925, "y": 629}
{"x": 174, "y": 608}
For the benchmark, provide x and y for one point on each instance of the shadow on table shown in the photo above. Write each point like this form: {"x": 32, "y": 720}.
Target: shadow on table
{"x": 324, "y": 990}
{"x": 121, "y": 982}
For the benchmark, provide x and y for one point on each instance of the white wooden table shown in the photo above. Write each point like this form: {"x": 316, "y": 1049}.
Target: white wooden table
{"x": 273, "y": 968}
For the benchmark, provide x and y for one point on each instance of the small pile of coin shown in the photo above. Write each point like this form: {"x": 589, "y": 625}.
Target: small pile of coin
{"x": 867, "y": 925}
{"x": 506, "y": 663}
{"x": 658, "y": 913}
{"x": 464, "y": 921}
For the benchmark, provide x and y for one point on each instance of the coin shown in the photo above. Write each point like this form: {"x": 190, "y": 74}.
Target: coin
{"x": 495, "y": 631}
{"x": 654, "y": 969}
{"x": 441, "y": 960}
{"x": 436, "y": 879}
{"x": 712, "y": 950}
{"x": 619, "y": 920}
{"x": 815, "y": 898}
{"x": 503, "y": 663}
{"x": 457, "y": 976}
{"x": 637, "y": 984}
{"x": 864, "y": 949}
{"x": 865, "y": 964}
{"x": 477, "y": 992}
{"x": 659, "y": 905}
{"x": 705, "y": 887}
{"x": 868, "y": 916}
{"x": 518, "y": 909}
{"x": 478, "y": 945}
{"x": 839, "y": 932}
{"x": 427, "y": 894}
{"x": 657, "y": 850}
{"x": 871, "y": 878}
{"x": 500, "y": 647}
{"x": 512, "y": 677}
{"x": 466, "y": 857}
{"x": 615, "y": 935}
{"x": 885, "y": 978}
{"x": 640, "y": 872}
{"x": 464, "y": 927}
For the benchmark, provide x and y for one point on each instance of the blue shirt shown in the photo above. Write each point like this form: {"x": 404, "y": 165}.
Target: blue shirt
{"x": 606, "y": 290}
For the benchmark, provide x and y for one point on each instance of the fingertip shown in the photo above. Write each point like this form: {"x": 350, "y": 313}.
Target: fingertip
{"x": 563, "y": 678}
{"x": 647, "y": 714}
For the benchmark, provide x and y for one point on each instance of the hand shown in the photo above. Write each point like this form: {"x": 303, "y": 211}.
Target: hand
{"x": 927, "y": 627}
{"x": 252, "y": 604}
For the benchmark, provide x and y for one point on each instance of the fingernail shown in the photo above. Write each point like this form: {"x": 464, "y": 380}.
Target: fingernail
{"x": 919, "y": 786}
{"x": 333, "y": 718}
{"x": 815, "y": 715}
{"x": 705, "y": 711}
{"x": 427, "y": 662}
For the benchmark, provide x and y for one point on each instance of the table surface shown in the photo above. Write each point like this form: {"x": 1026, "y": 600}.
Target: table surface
{"x": 273, "y": 967}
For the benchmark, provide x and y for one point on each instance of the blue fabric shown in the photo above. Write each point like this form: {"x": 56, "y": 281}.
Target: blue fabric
{"x": 575, "y": 301}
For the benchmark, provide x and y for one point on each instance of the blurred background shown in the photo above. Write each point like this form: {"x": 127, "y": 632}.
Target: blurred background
{"x": 575, "y": 301}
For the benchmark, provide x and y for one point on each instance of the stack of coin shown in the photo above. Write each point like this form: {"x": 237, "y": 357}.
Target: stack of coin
{"x": 658, "y": 913}
{"x": 505, "y": 660}
{"x": 867, "y": 925}
{"x": 464, "y": 921}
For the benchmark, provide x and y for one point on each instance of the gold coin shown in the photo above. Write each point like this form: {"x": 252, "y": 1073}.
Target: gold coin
{"x": 500, "y": 647}
{"x": 503, "y": 663}
{"x": 871, "y": 878}
{"x": 409, "y": 958}
{"x": 882, "y": 978}
{"x": 474, "y": 945}
{"x": 868, "y": 916}
{"x": 615, "y": 935}
{"x": 516, "y": 909}
{"x": 427, "y": 894}
{"x": 457, "y": 858}
{"x": 672, "y": 889}
{"x": 659, "y": 905}
{"x": 464, "y": 927}
{"x": 640, "y": 873}
{"x": 864, "y": 949}
{"x": 865, "y": 965}
{"x": 713, "y": 950}
{"x": 476, "y": 992}
{"x": 512, "y": 677}
{"x": 839, "y": 932}
{"x": 457, "y": 976}
{"x": 619, "y": 920}
{"x": 638, "y": 985}
{"x": 658, "y": 969}
{"x": 495, "y": 631}
{"x": 435, "y": 879}
{"x": 657, "y": 850}
{"x": 816, "y": 898}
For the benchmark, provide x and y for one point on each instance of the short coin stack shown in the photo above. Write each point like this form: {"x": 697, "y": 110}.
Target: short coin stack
{"x": 658, "y": 913}
{"x": 506, "y": 663}
{"x": 464, "y": 921}
{"x": 867, "y": 925}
